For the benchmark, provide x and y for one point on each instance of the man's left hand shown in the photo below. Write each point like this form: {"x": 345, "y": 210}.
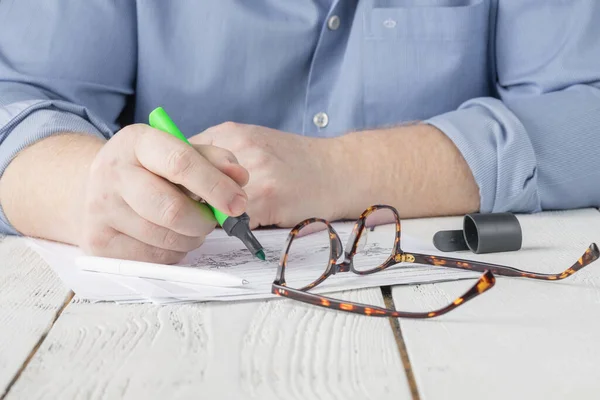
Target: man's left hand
{"x": 292, "y": 177}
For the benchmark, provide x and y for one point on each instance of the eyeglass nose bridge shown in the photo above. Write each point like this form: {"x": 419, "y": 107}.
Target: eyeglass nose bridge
{"x": 337, "y": 252}
{"x": 344, "y": 266}
{"x": 348, "y": 263}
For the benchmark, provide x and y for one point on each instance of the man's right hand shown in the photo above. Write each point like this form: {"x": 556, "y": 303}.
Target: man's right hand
{"x": 132, "y": 207}
{"x": 119, "y": 198}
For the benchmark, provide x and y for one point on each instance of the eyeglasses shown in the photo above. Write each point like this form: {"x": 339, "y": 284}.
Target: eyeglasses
{"x": 301, "y": 261}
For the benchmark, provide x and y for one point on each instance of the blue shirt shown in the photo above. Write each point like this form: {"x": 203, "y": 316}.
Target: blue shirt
{"x": 514, "y": 84}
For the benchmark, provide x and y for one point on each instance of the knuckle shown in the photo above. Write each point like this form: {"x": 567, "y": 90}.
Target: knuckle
{"x": 190, "y": 244}
{"x": 96, "y": 205}
{"x": 269, "y": 190}
{"x": 215, "y": 187}
{"x": 129, "y": 133}
{"x": 154, "y": 234}
{"x": 131, "y": 129}
{"x": 97, "y": 242}
{"x": 205, "y": 227}
{"x": 109, "y": 161}
{"x": 180, "y": 162}
{"x": 101, "y": 204}
{"x": 218, "y": 154}
{"x": 158, "y": 254}
{"x": 171, "y": 239}
{"x": 171, "y": 210}
{"x": 104, "y": 159}
{"x": 229, "y": 156}
{"x": 246, "y": 141}
{"x": 163, "y": 256}
{"x": 262, "y": 158}
{"x": 228, "y": 126}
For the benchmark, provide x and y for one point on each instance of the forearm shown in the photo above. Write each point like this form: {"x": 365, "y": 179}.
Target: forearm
{"x": 42, "y": 189}
{"x": 81, "y": 89}
{"x": 416, "y": 169}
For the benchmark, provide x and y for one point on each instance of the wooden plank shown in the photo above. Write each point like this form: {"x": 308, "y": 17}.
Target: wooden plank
{"x": 30, "y": 297}
{"x": 267, "y": 350}
{"x": 524, "y": 338}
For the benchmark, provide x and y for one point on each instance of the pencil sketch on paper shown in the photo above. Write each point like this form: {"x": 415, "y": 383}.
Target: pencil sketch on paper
{"x": 236, "y": 258}
{"x": 232, "y": 258}
{"x": 375, "y": 250}
{"x": 375, "y": 244}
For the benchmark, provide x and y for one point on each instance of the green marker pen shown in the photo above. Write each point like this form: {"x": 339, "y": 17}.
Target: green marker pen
{"x": 234, "y": 226}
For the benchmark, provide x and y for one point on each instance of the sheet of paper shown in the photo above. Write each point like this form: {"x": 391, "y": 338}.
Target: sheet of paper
{"x": 220, "y": 252}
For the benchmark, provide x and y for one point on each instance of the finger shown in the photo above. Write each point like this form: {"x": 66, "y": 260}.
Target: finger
{"x": 216, "y": 155}
{"x": 202, "y": 139}
{"x": 256, "y": 209}
{"x": 226, "y": 162}
{"x": 181, "y": 164}
{"x": 161, "y": 203}
{"x": 262, "y": 212}
{"x": 131, "y": 224}
{"x": 115, "y": 244}
{"x": 229, "y": 135}
{"x": 216, "y": 133}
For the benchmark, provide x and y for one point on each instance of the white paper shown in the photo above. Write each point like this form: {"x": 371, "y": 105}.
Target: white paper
{"x": 224, "y": 253}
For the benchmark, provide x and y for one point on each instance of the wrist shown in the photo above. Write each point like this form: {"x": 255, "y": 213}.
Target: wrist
{"x": 88, "y": 149}
{"x": 353, "y": 175}
{"x": 70, "y": 188}
{"x": 376, "y": 163}
{"x": 43, "y": 188}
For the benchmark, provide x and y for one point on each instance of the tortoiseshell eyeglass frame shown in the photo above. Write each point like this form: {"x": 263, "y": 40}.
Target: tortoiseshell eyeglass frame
{"x": 485, "y": 282}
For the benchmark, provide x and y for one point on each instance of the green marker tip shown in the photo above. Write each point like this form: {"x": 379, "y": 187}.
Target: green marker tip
{"x": 261, "y": 254}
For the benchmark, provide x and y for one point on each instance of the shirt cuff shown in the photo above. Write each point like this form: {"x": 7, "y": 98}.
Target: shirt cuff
{"x": 26, "y": 122}
{"x": 498, "y": 151}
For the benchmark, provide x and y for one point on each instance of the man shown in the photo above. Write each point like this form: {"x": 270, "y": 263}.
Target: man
{"x": 437, "y": 107}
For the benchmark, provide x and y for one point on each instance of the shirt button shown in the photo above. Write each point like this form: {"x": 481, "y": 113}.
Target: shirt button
{"x": 333, "y": 23}
{"x": 321, "y": 120}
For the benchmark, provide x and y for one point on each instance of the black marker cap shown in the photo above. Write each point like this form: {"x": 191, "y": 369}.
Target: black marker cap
{"x": 483, "y": 233}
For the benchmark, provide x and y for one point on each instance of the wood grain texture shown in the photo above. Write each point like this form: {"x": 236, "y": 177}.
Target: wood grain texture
{"x": 30, "y": 297}
{"x": 522, "y": 339}
{"x": 257, "y": 350}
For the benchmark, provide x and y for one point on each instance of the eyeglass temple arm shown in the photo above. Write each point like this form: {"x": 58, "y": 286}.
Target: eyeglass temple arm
{"x": 485, "y": 282}
{"x": 590, "y": 255}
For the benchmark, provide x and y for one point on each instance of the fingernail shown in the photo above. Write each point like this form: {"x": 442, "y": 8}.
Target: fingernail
{"x": 237, "y": 205}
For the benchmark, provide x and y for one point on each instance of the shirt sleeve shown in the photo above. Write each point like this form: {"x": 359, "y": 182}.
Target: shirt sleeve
{"x": 65, "y": 66}
{"x": 536, "y": 147}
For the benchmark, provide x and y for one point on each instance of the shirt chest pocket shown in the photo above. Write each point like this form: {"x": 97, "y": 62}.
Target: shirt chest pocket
{"x": 422, "y": 57}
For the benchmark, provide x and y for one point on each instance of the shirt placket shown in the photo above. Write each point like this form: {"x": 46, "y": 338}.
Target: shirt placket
{"x": 334, "y": 31}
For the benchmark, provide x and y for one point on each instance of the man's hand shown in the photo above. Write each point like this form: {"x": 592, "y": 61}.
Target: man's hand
{"x": 414, "y": 168}
{"x": 119, "y": 198}
{"x": 292, "y": 177}
{"x": 134, "y": 210}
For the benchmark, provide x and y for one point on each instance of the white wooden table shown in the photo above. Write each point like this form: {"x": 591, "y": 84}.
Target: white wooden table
{"x": 523, "y": 339}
